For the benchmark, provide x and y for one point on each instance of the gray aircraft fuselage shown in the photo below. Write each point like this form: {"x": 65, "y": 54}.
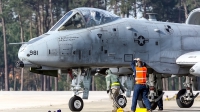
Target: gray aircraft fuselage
{"x": 87, "y": 38}
{"x": 115, "y": 44}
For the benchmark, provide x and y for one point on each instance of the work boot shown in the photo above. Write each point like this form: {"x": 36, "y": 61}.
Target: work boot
{"x": 114, "y": 110}
{"x": 149, "y": 110}
{"x": 160, "y": 109}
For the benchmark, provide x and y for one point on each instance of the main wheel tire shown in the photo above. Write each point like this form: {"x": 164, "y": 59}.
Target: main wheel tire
{"x": 180, "y": 101}
{"x": 121, "y": 101}
{"x": 142, "y": 105}
{"x": 76, "y": 103}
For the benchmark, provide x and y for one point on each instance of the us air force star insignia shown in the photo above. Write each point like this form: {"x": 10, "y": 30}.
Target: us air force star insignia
{"x": 169, "y": 29}
{"x": 141, "y": 40}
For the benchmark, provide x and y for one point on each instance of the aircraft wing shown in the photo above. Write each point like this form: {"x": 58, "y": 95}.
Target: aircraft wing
{"x": 190, "y": 59}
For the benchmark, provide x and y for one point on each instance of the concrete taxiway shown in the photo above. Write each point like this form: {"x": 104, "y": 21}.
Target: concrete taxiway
{"x": 31, "y": 101}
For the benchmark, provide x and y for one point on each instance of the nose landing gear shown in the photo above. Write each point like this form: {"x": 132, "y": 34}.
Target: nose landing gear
{"x": 76, "y": 103}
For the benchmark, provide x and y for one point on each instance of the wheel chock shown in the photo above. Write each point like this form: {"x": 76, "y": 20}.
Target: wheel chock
{"x": 120, "y": 110}
{"x": 141, "y": 110}
{"x": 167, "y": 98}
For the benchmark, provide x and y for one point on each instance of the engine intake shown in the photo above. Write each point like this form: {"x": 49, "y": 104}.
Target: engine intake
{"x": 194, "y": 17}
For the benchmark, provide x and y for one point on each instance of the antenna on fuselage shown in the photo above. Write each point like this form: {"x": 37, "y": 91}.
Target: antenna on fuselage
{"x": 152, "y": 16}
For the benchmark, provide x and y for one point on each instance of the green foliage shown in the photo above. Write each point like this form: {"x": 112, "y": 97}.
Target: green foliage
{"x": 165, "y": 9}
{"x": 13, "y": 36}
{"x": 192, "y": 4}
{"x": 63, "y": 85}
{"x": 87, "y": 3}
{"x": 100, "y": 83}
{"x": 1, "y": 49}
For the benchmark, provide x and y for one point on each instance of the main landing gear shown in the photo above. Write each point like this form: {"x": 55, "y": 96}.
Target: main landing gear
{"x": 153, "y": 95}
{"x": 185, "y": 97}
{"x": 80, "y": 75}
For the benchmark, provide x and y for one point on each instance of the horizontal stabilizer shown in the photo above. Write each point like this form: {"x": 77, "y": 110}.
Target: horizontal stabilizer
{"x": 18, "y": 43}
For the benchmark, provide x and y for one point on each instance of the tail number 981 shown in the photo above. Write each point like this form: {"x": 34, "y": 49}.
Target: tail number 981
{"x": 33, "y": 52}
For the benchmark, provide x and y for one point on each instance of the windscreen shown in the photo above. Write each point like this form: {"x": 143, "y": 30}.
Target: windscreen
{"x": 94, "y": 17}
{"x": 61, "y": 21}
{"x": 75, "y": 22}
{"x": 84, "y": 17}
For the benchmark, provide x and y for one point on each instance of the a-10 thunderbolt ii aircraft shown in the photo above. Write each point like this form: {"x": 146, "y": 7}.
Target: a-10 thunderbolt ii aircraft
{"x": 87, "y": 38}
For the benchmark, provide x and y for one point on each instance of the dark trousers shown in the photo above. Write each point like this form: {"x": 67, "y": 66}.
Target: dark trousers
{"x": 140, "y": 89}
{"x": 160, "y": 102}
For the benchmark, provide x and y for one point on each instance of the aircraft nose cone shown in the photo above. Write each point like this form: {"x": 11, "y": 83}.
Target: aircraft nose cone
{"x": 22, "y": 52}
{"x": 21, "y": 55}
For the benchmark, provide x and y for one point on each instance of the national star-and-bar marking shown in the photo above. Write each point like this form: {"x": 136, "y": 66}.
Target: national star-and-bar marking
{"x": 141, "y": 40}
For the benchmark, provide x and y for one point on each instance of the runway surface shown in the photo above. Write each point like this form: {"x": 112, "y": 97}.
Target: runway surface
{"x": 34, "y": 101}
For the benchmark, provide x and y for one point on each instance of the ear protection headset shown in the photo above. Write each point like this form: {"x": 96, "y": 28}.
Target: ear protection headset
{"x": 106, "y": 71}
{"x": 141, "y": 63}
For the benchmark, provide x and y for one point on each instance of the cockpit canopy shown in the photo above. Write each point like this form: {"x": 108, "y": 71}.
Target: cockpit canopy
{"x": 83, "y": 18}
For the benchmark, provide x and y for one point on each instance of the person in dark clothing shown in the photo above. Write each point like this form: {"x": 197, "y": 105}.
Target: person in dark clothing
{"x": 160, "y": 102}
{"x": 159, "y": 90}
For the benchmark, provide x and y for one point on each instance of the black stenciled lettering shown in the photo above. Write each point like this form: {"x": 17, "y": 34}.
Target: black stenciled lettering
{"x": 33, "y": 52}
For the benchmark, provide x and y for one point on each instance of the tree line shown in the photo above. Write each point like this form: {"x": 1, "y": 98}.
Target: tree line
{"x": 21, "y": 20}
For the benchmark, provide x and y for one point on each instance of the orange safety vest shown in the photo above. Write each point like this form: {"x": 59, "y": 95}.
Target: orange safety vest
{"x": 141, "y": 75}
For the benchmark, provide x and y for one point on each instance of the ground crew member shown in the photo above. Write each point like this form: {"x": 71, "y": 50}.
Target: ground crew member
{"x": 140, "y": 72}
{"x": 160, "y": 102}
{"x": 159, "y": 90}
{"x": 113, "y": 87}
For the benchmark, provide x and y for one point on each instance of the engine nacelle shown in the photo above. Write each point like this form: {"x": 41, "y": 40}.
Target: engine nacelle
{"x": 195, "y": 70}
{"x": 189, "y": 58}
{"x": 194, "y": 17}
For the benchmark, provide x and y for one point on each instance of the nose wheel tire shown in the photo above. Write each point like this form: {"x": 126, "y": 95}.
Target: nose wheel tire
{"x": 142, "y": 105}
{"x": 76, "y": 103}
{"x": 180, "y": 100}
{"x": 121, "y": 101}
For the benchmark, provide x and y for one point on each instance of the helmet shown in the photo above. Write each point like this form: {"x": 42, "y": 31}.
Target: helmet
{"x": 108, "y": 71}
